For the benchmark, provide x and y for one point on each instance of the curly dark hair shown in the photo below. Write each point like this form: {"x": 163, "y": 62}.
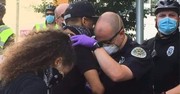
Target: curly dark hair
{"x": 35, "y": 53}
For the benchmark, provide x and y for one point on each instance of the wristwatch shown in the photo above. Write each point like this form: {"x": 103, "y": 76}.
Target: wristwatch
{"x": 96, "y": 45}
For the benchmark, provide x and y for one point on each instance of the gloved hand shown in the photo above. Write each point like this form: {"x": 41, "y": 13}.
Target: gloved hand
{"x": 83, "y": 40}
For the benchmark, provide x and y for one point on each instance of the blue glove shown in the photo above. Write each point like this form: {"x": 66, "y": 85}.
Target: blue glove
{"x": 83, "y": 40}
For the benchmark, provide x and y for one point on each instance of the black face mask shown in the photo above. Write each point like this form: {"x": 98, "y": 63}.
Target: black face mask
{"x": 79, "y": 30}
{"x": 91, "y": 31}
{"x": 52, "y": 77}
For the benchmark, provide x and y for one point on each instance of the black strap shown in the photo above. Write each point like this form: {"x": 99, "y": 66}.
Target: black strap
{"x": 179, "y": 56}
{"x": 150, "y": 44}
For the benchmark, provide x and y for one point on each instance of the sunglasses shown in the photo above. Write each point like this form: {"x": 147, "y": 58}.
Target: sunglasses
{"x": 49, "y": 13}
{"x": 111, "y": 39}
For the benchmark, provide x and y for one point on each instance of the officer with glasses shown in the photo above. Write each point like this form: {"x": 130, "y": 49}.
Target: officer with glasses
{"x": 125, "y": 64}
{"x": 59, "y": 11}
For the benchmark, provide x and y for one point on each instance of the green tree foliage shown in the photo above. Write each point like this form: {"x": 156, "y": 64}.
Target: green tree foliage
{"x": 125, "y": 8}
{"x": 41, "y": 7}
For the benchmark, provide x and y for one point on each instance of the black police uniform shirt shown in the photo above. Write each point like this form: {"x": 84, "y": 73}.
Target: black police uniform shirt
{"x": 74, "y": 82}
{"x": 134, "y": 57}
{"x": 165, "y": 73}
{"x": 27, "y": 83}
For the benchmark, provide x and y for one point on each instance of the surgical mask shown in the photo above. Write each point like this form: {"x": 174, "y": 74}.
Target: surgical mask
{"x": 50, "y": 19}
{"x": 167, "y": 25}
{"x": 111, "y": 48}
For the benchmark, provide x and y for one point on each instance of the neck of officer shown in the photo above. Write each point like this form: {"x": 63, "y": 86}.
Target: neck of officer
{"x": 123, "y": 42}
{"x": 167, "y": 36}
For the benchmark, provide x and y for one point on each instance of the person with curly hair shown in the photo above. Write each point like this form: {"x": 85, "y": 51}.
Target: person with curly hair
{"x": 25, "y": 60}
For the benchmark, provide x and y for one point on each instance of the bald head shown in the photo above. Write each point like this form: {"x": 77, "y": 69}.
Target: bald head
{"x": 113, "y": 19}
{"x": 108, "y": 24}
{"x": 60, "y": 9}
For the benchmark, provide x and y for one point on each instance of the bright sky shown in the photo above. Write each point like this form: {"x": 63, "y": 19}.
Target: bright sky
{"x": 27, "y": 16}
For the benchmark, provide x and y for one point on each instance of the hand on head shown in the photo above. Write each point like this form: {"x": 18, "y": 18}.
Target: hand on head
{"x": 83, "y": 40}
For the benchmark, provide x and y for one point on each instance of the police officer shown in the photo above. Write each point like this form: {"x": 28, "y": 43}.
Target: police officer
{"x": 6, "y": 33}
{"x": 165, "y": 48}
{"x": 125, "y": 64}
{"x": 50, "y": 20}
{"x": 59, "y": 11}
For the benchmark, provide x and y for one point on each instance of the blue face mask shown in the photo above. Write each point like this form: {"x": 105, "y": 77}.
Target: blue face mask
{"x": 50, "y": 19}
{"x": 167, "y": 26}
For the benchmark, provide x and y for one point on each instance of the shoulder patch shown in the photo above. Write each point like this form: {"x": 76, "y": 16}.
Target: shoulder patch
{"x": 138, "y": 52}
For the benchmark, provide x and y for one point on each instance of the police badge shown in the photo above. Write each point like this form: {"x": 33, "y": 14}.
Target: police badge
{"x": 138, "y": 52}
{"x": 170, "y": 51}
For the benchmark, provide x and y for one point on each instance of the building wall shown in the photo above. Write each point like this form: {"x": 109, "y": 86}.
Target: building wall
{"x": 27, "y": 16}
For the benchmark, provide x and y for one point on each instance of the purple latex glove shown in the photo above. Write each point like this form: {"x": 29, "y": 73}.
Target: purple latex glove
{"x": 83, "y": 40}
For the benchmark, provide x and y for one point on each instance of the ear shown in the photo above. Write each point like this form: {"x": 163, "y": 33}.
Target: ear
{"x": 155, "y": 22}
{"x": 122, "y": 32}
{"x": 58, "y": 61}
{"x": 83, "y": 20}
{"x": 155, "y": 19}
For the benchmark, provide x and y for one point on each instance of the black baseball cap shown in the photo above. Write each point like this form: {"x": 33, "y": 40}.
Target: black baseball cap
{"x": 80, "y": 9}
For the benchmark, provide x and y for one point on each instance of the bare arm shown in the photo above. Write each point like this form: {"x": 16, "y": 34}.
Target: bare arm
{"x": 92, "y": 78}
{"x": 111, "y": 68}
{"x": 175, "y": 90}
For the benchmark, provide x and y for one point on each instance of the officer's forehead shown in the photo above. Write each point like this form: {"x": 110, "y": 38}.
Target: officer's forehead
{"x": 165, "y": 12}
{"x": 49, "y": 11}
{"x": 103, "y": 30}
{"x": 102, "y": 26}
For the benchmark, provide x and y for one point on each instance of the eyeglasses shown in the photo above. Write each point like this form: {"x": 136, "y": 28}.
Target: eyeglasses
{"x": 111, "y": 39}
